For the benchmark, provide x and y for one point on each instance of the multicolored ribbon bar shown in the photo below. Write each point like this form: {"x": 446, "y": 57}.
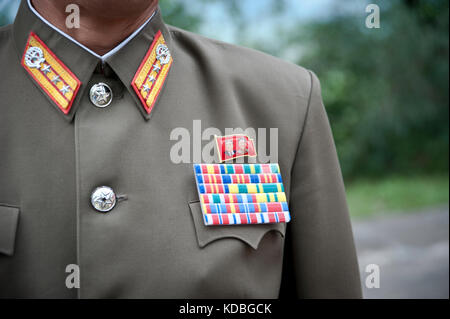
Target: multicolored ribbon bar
{"x": 233, "y": 194}
{"x": 240, "y": 188}
{"x": 236, "y": 168}
{"x": 245, "y": 208}
{"x": 238, "y": 178}
{"x": 239, "y": 219}
{"x": 243, "y": 198}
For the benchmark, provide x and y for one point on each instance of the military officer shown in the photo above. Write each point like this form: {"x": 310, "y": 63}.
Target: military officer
{"x": 86, "y": 178}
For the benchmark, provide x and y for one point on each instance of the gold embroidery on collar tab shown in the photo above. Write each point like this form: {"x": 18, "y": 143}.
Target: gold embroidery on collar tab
{"x": 151, "y": 75}
{"x": 50, "y": 73}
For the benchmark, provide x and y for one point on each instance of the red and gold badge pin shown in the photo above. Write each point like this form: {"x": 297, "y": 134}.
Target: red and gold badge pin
{"x": 234, "y": 146}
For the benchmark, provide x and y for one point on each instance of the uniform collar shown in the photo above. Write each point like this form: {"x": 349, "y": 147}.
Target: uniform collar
{"x": 103, "y": 57}
{"x": 125, "y": 60}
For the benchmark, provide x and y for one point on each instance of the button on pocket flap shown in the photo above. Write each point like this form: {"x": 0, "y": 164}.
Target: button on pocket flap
{"x": 250, "y": 234}
{"x": 9, "y": 217}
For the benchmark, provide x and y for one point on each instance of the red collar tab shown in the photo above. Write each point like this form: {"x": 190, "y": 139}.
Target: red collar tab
{"x": 50, "y": 73}
{"x": 152, "y": 73}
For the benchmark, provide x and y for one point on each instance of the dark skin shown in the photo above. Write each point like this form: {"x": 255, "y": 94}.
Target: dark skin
{"x": 103, "y": 23}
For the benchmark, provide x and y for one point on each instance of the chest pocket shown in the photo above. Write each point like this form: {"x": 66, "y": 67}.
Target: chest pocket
{"x": 9, "y": 217}
{"x": 249, "y": 234}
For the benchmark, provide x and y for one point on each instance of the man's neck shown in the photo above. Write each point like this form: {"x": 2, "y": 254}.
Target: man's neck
{"x": 102, "y": 28}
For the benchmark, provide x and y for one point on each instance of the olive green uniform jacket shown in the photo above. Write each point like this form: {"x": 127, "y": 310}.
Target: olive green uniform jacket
{"x": 154, "y": 244}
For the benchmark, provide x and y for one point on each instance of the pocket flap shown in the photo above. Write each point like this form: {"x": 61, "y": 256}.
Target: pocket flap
{"x": 9, "y": 217}
{"x": 250, "y": 234}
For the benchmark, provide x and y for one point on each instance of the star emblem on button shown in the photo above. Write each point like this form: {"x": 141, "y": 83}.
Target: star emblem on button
{"x": 103, "y": 199}
{"x": 101, "y": 94}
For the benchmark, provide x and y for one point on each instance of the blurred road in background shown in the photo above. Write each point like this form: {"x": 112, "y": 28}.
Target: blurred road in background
{"x": 412, "y": 251}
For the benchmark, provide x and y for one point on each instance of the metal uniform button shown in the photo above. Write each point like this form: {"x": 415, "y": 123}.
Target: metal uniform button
{"x": 103, "y": 199}
{"x": 101, "y": 94}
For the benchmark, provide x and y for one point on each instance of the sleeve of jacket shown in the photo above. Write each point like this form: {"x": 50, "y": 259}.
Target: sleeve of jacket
{"x": 320, "y": 256}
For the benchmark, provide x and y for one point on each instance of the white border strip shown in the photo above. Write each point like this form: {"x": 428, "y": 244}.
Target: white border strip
{"x": 102, "y": 57}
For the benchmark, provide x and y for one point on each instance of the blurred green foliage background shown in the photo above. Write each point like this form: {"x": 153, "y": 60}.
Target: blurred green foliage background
{"x": 385, "y": 90}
